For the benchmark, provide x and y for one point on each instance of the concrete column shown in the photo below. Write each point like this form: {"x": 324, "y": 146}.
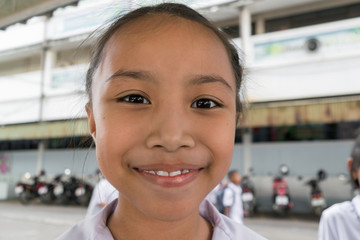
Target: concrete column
{"x": 40, "y": 160}
{"x": 260, "y": 26}
{"x": 245, "y": 33}
{"x": 48, "y": 60}
{"x": 247, "y": 48}
{"x": 247, "y": 142}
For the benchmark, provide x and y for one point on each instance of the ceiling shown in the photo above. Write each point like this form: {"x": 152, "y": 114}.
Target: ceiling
{"x": 269, "y": 8}
{"x": 14, "y": 11}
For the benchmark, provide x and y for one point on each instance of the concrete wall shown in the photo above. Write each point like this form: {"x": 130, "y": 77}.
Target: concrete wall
{"x": 303, "y": 158}
{"x": 80, "y": 162}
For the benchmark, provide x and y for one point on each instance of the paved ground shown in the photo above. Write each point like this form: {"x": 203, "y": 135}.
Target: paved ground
{"x": 36, "y": 221}
{"x": 294, "y": 227}
{"x": 39, "y": 222}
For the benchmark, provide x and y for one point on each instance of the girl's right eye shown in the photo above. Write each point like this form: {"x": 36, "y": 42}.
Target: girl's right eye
{"x": 134, "y": 98}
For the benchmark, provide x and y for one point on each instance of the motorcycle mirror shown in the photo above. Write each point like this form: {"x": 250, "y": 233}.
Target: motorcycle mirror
{"x": 321, "y": 174}
{"x": 284, "y": 169}
{"x": 27, "y": 175}
{"x": 67, "y": 171}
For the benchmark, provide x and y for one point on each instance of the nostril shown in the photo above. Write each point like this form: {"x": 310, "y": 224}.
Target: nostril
{"x": 168, "y": 141}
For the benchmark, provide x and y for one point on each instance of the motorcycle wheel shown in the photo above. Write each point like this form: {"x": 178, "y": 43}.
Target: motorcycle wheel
{"x": 24, "y": 198}
{"x": 85, "y": 199}
{"x": 318, "y": 211}
{"x": 248, "y": 209}
{"x": 251, "y": 212}
{"x": 46, "y": 198}
{"x": 63, "y": 199}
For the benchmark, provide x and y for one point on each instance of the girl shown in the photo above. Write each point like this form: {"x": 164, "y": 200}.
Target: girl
{"x": 342, "y": 220}
{"x": 163, "y": 87}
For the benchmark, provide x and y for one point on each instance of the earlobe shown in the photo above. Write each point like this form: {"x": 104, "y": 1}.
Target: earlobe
{"x": 91, "y": 120}
{"x": 351, "y": 172}
{"x": 348, "y": 164}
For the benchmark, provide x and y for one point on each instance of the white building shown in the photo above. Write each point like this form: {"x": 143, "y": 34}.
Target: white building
{"x": 303, "y": 89}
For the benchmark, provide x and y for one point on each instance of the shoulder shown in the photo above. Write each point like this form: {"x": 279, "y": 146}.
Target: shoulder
{"x": 337, "y": 211}
{"x": 339, "y": 221}
{"x": 92, "y": 227}
{"x": 335, "y": 218}
{"x": 230, "y": 188}
{"x": 235, "y": 230}
{"x": 224, "y": 227}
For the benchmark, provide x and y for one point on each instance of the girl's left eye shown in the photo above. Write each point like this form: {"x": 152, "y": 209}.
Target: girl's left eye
{"x": 205, "y": 103}
{"x": 134, "y": 98}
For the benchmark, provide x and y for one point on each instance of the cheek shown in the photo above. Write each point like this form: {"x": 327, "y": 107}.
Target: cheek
{"x": 220, "y": 141}
{"x": 115, "y": 135}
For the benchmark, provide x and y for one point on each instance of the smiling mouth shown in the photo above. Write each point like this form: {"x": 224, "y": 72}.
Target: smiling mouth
{"x": 167, "y": 173}
{"x": 169, "y": 178}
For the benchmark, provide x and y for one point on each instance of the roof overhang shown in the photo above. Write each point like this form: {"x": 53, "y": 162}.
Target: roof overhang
{"x": 15, "y": 11}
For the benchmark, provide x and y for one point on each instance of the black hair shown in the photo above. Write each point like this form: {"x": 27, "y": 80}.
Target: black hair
{"x": 173, "y": 10}
{"x": 231, "y": 173}
{"x": 355, "y": 164}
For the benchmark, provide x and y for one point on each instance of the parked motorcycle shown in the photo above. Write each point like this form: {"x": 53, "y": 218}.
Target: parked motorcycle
{"x": 83, "y": 193}
{"x": 281, "y": 196}
{"x": 46, "y": 192}
{"x": 27, "y": 189}
{"x": 318, "y": 202}
{"x": 64, "y": 187}
{"x": 248, "y": 196}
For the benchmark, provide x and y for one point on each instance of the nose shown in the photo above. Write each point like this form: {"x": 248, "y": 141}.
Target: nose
{"x": 170, "y": 131}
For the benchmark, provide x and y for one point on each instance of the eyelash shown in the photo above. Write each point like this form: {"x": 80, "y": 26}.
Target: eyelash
{"x": 134, "y": 99}
{"x": 138, "y": 99}
{"x": 209, "y": 103}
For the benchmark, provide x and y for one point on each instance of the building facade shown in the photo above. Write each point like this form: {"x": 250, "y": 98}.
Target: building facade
{"x": 302, "y": 87}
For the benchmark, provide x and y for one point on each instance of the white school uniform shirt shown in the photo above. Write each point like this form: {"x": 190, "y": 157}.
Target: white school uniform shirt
{"x": 103, "y": 192}
{"x": 224, "y": 228}
{"x": 341, "y": 221}
{"x": 211, "y": 197}
{"x": 232, "y": 199}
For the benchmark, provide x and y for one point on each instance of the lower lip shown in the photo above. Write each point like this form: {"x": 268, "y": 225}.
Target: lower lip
{"x": 169, "y": 182}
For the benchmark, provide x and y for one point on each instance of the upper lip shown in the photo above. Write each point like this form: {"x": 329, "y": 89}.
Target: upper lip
{"x": 168, "y": 167}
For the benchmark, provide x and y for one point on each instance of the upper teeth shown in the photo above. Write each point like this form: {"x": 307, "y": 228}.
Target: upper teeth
{"x": 167, "y": 174}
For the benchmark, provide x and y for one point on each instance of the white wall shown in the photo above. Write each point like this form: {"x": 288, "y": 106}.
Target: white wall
{"x": 80, "y": 162}
{"x": 303, "y": 158}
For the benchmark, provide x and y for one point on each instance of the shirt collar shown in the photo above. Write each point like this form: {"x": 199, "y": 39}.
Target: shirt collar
{"x": 98, "y": 229}
{"x": 211, "y": 214}
{"x": 97, "y": 223}
{"x": 356, "y": 204}
{"x": 232, "y": 185}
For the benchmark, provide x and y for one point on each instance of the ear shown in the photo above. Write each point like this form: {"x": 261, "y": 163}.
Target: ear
{"x": 348, "y": 164}
{"x": 91, "y": 120}
{"x": 352, "y": 173}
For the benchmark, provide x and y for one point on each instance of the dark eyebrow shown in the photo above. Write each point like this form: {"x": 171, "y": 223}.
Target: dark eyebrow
{"x": 201, "y": 79}
{"x": 138, "y": 75}
{"x": 144, "y": 75}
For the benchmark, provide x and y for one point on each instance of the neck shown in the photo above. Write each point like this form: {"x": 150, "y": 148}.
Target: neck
{"x": 128, "y": 222}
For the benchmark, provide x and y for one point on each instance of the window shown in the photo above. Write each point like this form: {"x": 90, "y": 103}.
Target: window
{"x": 311, "y": 18}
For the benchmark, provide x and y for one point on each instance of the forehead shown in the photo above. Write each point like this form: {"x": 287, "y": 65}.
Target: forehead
{"x": 158, "y": 24}
{"x": 167, "y": 40}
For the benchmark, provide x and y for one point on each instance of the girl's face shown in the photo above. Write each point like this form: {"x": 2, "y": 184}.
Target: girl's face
{"x": 163, "y": 115}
